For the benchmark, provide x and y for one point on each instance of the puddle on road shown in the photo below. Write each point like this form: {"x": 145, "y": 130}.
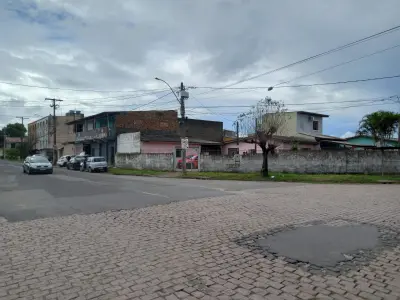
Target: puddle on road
{"x": 322, "y": 246}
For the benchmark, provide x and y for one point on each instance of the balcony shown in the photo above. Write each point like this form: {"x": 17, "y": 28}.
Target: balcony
{"x": 92, "y": 135}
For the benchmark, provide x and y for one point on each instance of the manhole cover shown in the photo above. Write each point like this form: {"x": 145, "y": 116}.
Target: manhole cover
{"x": 322, "y": 245}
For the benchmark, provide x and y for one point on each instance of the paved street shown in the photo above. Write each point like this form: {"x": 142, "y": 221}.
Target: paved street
{"x": 75, "y": 235}
{"x": 66, "y": 192}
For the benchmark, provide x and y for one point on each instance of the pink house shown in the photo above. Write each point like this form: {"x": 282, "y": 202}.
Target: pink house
{"x": 232, "y": 146}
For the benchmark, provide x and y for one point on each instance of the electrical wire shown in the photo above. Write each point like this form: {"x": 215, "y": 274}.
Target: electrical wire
{"x": 77, "y": 90}
{"x": 307, "y": 85}
{"x": 163, "y": 96}
{"x": 376, "y": 35}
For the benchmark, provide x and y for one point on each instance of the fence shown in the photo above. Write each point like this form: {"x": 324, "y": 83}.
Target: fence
{"x": 335, "y": 162}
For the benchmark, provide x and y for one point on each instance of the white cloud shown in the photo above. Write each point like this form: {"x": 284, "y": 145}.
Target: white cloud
{"x": 347, "y": 135}
{"x": 123, "y": 45}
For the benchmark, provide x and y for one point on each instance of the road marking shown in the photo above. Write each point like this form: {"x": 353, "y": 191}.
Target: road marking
{"x": 158, "y": 195}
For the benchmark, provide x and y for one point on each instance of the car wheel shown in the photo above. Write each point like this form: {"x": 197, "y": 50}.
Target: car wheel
{"x": 64, "y": 164}
{"x": 51, "y": 172}
{"x": 29, "y": 171}
{"x": 105, "y": 169}
{"x": 23, "y": 170}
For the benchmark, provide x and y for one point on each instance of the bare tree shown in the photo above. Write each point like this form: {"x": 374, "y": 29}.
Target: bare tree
{"x": 264, "y": 120}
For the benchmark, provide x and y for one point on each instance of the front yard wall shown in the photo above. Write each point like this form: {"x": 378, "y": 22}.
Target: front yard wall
{"x": 335, "y": 162}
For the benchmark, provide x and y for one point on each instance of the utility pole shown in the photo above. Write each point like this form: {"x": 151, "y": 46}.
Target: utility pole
{"x": 54, "y": 106}
{"x": 22, "y": 136}
{"x": 183, "y": 95}
{"x": 255, "y": 137}
{"x": 237, "y": 134}
{"x": 4, "y": 142}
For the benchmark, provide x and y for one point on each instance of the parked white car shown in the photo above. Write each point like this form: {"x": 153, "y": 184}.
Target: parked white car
{"x": 94, "y": 164}
{"x": 63, "y": 160}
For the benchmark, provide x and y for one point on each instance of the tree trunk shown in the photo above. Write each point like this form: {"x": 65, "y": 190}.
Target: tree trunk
{"x": 264, "y": 169}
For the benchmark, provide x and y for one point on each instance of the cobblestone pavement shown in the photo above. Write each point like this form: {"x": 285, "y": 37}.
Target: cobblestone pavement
{"x": 187, "y": 250}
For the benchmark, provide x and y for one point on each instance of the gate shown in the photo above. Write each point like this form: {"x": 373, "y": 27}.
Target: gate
{"x": 192, "y": 159}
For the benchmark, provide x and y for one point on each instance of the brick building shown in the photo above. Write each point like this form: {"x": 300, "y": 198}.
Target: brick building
{"x": 160, "y": 132}
{"x": 97, "y": 134}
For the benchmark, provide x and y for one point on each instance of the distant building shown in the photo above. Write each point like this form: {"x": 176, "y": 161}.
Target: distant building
{"x": 14, "y": 142}
{"x": 369, "y": 141}
{"x": 40, "y": 134}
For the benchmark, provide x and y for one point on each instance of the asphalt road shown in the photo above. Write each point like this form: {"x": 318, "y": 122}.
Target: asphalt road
{"x": 28, "y": 197}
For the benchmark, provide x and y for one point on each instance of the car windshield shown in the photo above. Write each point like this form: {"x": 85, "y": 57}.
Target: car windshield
{"x": 39, "y": 159}
{"x": 99, "y": 159}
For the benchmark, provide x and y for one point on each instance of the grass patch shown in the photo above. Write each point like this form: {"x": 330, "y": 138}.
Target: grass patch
{"x": 118, "y": 171}
{"x": 282, "y": 177}
{"x": 290, "y": 177}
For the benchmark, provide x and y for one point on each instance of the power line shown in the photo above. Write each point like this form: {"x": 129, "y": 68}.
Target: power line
{"x": 304, "y": 85}
{"x": 376, "y": 35}
{"x": 77, "y": 90}
{"x": 338, "y": 65}
{"x": 163, "y": 96}
{"x": 233, "y": 106}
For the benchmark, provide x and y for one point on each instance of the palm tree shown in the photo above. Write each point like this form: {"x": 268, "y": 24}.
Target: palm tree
{"x": 380, "y": 125}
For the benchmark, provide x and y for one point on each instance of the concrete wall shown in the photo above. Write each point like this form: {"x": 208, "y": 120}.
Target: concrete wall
{"x": 310, "y": 162}
{"x": 146, "y": 161}
{"x": 285, "y": 161}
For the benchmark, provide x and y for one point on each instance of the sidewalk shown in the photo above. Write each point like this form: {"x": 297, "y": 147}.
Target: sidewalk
{"x": 191, "y": 249}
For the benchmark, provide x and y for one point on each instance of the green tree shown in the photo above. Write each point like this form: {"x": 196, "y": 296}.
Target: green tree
{"x": 380, "y": 125}
{"x": 15, "y": 130}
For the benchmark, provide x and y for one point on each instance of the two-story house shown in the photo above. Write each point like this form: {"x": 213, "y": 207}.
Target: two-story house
{"x": 309, "y": 126}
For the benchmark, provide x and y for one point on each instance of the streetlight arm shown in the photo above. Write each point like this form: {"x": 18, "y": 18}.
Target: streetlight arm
{"x": 172, "y": 90}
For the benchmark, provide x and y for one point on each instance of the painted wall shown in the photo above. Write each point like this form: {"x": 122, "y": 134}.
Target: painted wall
{"x": 243, "y": 147}
{"x": 289, "y": 128}
{"x": 335, "y": 162}
{"x": 165, "y": 147}
{"x": 128, "y": 142}
{"x": 305, "y": 124}
{"x": 246, "y": 147}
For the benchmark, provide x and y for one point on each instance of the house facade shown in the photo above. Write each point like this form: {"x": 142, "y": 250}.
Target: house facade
{"x": 244, "y": 146}
{"x": 40, "y": 134}
{"x": 13, "y": 142}
{"x": 96, "y": 135}
{"x": 303, "y": 124}
{"x": 204, "y": 137}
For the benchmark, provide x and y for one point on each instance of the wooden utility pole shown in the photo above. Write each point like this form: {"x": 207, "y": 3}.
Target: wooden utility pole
{"x": 54, "y": 106}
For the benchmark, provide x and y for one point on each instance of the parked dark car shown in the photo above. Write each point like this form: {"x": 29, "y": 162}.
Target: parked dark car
{"x": 75, "y": 162}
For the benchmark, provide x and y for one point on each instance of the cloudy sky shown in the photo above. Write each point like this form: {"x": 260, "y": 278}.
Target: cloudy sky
{"x": 100, "y": 55}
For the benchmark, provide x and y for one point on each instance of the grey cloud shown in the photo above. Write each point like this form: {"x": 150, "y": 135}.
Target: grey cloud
{"x": 125, "y": 44}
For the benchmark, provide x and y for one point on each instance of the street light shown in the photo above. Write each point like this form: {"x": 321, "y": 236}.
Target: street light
{"x": 172, "y": 90}
{"x": 184, "y": 95}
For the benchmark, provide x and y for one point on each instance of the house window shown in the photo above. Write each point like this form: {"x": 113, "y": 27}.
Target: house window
{"x": 315, "y": 125}
{"x": 90, "y": 125}
{"x": 233, "y": 151}
{"x": 79, "y": 127}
